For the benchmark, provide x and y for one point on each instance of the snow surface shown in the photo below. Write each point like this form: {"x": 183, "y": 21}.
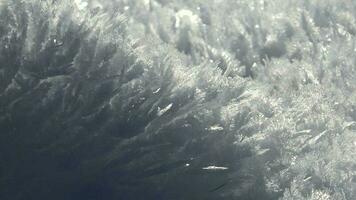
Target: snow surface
{"x": 177, "y": 99}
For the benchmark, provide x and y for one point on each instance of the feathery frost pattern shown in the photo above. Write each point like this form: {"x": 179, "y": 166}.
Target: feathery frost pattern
{"x": 177, "y": 99}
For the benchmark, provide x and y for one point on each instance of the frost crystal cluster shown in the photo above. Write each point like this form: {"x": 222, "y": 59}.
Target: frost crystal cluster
{"x": 177, "y": 99}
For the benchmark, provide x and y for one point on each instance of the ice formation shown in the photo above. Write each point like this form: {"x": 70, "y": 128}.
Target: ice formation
{"x": 177, "y": 99}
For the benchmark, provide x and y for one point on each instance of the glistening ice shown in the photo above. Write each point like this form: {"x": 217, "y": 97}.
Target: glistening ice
{"x": 177, "y": 99}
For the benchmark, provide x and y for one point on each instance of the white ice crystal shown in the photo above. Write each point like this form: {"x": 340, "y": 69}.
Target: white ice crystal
{"x": 81, "y": 4}
{"x": 215, "y": 168}
{"x": 161, "y": 111}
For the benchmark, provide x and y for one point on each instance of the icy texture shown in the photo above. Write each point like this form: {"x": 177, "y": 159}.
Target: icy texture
{"x": 177, "y": 99}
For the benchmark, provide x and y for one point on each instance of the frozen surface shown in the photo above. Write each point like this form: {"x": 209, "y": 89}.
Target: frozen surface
{"x": 177, "y": 99}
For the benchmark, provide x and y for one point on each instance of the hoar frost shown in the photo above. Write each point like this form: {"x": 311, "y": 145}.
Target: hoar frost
{"x": 177, "y": 99}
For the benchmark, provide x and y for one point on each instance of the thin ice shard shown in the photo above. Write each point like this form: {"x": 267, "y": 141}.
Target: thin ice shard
{"x": 215, "y": 168}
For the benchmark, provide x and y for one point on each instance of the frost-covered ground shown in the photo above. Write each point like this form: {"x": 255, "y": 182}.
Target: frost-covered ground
{"x": 177, "y": 99}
